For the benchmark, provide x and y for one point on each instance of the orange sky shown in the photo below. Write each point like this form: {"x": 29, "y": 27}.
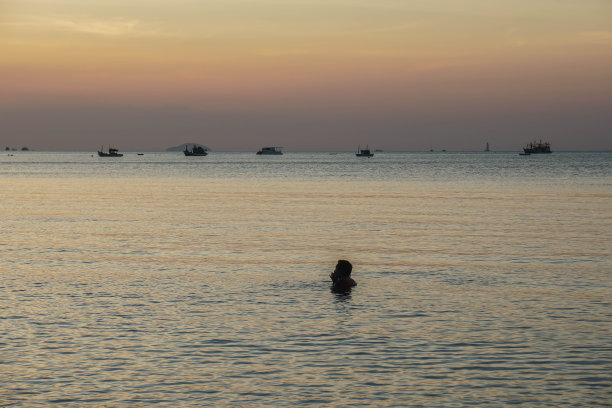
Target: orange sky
{"x": 308, "y": 75}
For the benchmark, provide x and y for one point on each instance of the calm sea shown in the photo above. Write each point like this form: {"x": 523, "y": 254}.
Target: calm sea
{"x": 484, "y": 280}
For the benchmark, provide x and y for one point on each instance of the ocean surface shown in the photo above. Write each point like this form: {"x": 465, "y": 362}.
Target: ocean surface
{"x": 484, "y": 280}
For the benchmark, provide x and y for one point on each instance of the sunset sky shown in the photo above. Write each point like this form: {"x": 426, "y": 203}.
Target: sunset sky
{"x": 311, "y": 75}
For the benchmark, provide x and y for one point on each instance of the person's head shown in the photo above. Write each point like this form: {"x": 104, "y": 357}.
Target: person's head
{"x": 343, "y": 269}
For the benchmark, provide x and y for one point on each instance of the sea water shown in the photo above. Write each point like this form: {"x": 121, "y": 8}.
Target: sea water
{"x": 484, "y": 279}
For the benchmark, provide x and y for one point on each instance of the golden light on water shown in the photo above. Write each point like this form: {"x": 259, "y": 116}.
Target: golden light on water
{"x": 161, "y": 280}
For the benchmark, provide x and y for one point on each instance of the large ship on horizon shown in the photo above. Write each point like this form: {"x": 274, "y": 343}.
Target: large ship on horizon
{"x": 536, "y": 148}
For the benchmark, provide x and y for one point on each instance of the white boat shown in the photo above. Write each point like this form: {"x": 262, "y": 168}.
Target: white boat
{"x": 270, "y": 150}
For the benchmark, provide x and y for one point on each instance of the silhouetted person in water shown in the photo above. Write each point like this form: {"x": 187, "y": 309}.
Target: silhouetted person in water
{"x": 341, "y": 276}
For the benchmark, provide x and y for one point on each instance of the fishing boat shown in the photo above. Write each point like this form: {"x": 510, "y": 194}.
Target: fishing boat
{"x": 195, "y": 151}
{"x": 270, "y": 150}
{"x": 536, "y": 148}
{"x": 364, "y": 152}
{"x": 112, "y": 152}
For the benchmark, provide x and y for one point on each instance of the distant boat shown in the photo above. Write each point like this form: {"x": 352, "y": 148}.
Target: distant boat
{"x": 364, "y": 152}
{"x": 112, "y": 152}
{"x": 536, "y": 148}
{"x": 181, "y": 147}
{"x": 487, "y": 148}
{"x": 195, "y": 151}
{"x": 270, "y": 150}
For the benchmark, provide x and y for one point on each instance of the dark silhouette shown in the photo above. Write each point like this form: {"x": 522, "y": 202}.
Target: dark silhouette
{"x": 195, "y": 151}
{"x": 112, "y": 152}
{"x": 364, "y": 152}
{"x": 341, "y": 276}
{"x": 181, "y": 147}
{"x": 536, "y": 147}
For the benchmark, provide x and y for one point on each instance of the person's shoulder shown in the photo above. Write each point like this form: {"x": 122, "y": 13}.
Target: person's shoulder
{"x": 345, "y": 283}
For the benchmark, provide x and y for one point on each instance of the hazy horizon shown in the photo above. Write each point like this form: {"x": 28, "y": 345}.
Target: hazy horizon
{"x": 18, "y": 149}
{"x": 237, "y": 75}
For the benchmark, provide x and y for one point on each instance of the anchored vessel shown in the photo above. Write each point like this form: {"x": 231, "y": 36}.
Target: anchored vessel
{"x": 270, "y": 150}
{"x": 536, "y": 148}
{"x": 195, "y": 151}
{"x": 112, "y": 152}
{"x": 364, "y": 152}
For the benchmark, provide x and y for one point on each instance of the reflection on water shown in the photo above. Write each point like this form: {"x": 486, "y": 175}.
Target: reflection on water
{"x": 169, "y": 286}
